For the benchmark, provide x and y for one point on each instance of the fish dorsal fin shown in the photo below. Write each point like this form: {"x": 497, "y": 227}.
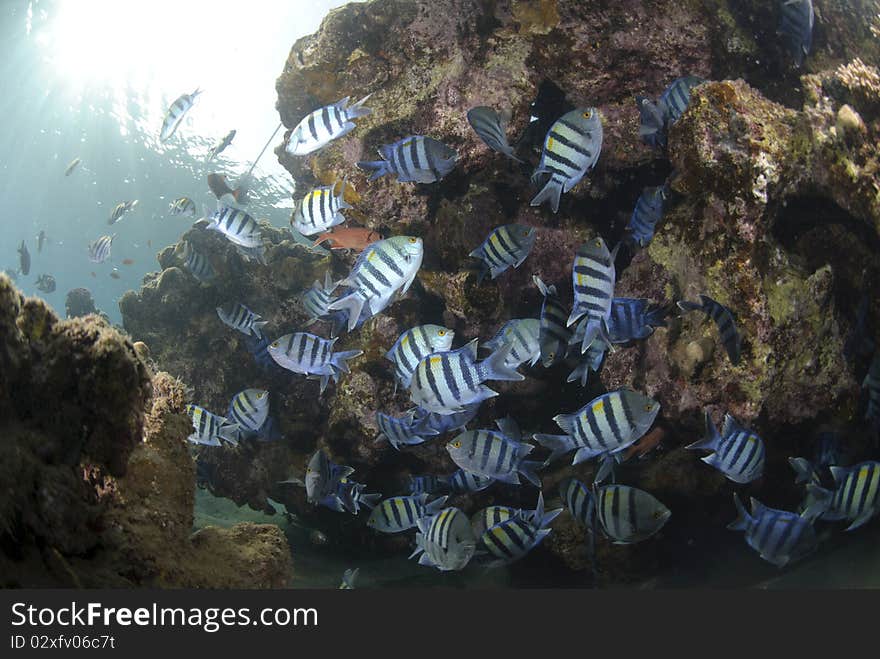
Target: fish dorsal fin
{"x": 758, "y": 508}
{"x": 731, "y": 425}
{"x": 509, "y": 428}
{"x": 839, "y": 474}
{"x": 471, "y": 348}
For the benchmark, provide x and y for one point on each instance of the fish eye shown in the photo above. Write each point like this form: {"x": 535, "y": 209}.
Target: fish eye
{"x": 260, "y": 395}
{"x": 456, "y": 444}
{"x": 308, "y": 470}
{"x": 412, "y": 240}
{"x": 274, "y": 345}
{"x": 551, "y": 355}
{"x": 598, "y": 243}
{"x": 588, "y": 114}
{"x": 441, "y": 333}
{"x": 648, "y": 408}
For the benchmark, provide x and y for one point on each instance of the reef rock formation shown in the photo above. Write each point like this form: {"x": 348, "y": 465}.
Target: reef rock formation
{"x": 774, "y": 214}
{"x": 98, "y": 483}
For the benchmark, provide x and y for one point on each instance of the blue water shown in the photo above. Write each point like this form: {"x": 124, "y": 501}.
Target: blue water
{"x": 92, "y": 79}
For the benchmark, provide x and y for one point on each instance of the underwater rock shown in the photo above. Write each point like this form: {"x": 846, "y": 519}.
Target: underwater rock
{"x": 79, "y": 302}
{"x": 98, "y": 480}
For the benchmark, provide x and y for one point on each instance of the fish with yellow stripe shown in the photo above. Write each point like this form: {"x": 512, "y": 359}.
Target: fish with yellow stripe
{"x": 446, "y": 382}
{"x": 571, "y": 148}
{"x": 856, "y": 497}
{"x": 507, "y": 246}
{"x": 320, "y": 127}
{"x": 402, "y": 513}
{"x": 406, "y": 430}
{"x": 737, "y": 452}
{"x": 779, "y": 536}
{"x": 413, "y": 345}
{"x": 311, "y": 355}
{"x": 385, "y": 269}
{"x": 498, "y": 455}
{"x": 445, "y": 540}
{"x": 208, "y": 428}
{"x": 320, "y": 210}
{"x": 513, "y": 538}
{"x": 593, "y": 277}
{"x": 606, "y": 426}
{"x": 629, "y": 515}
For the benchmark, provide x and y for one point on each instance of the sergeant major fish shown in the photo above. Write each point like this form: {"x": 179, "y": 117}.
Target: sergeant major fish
{"x": 779, "y": 536}
{"x": 516, "y": 536}
{"x": 523, "y": 337}
{"x": 856, "y": 497}
{"x": 497, "y": 455}
{"x": 24, "y": 259}
{"x": 445, "y": 382}
{"x": 647, "y": 213}
{"x": 571, "y": 149}
{"x": 427, "y": 484}
{"x": 738, "y": 453}
{"x": 629, "y": 515}
{"x": 320, "y": 127}
{"x": 415, "y": 159}
{"x": 242, "y": 319}
{"x": 413, "y": 345}
{"x": 238, "y": 227}
{"x": 605, "y": 426}
{"x": 402, "y": 431}
{"x": 445, "y": 540}
{"x": 491, "y": 516}
{"x": 99, "y": 250}
{"x": 402, "y": 513}
{"x": 183, "y": 206}
{"x": 176, "y": 113}
{"x": 464, "y": 482}
{"x": 317, "y": 299}
{"x": 385, "y": 269}
{"x": 442, "y": 423}
{"x": 311, "y": 355}
{"x": 208, "y": 428}
{"x": 507, "y": 246}
{"x": 554, "y": 334}
{"x": 121, "y": 209}
{"x": 197, "y": 264}
{"x": 323, "y": 476}
{"x": 724, "y": 319}
{"x": 593, "y": 277}
{"x": 491, "y": 129}
{"x": 249, "y": 410}
{"x": 319, "y": 210}
{"x": 796, "y": 26}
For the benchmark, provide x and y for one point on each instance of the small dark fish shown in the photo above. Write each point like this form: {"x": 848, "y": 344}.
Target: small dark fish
{"x": 24, "y": 259}
{"x": 647, "y": 213}
{"x": 217, "y": 184}
{"x": 225, "y": 142}
{"x": 491, "y": 129}
{"x": 652, "y": 122}
{"x": 127, "y": 261}
{"x": 723, "y": 317}
{"x": 46, "y": 283}
{"x": 676, "y": 98}
{"x": 796, "y": 26}
{"x": 41, "y": 239}
{"x": 70, "y": 167}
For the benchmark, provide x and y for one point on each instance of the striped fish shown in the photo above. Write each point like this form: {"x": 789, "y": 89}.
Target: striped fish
{"x": 384, "y": 269}
{"x": 589, "y": 362}
{"x": 445, "y": 540}
{"x": 323, "y": 476}
{"x": 442, "y": 423}
{"x": 497, "y": 455}
{"x": 99, "y": 250}
{"x": 491, "y": 129}
{"x": 464, "y": 482}
{"x": 579, "y": 501}
{"x": 427, "y": 484}
{"x": 402, "y": 513}
{"x": 856, "y": 497}
{"x": 121, "y": 209}
{"x": 796, "y": 26}
{"x": 348, "y": 578}
{"x": 593, "y": 276}
{"x": 872, "y": 384}
{"x": 208, "y": 428}
{"x": 515, "y": 537}
{"x": 183, "y": 206}
{"x": 240, "y": 318}
{"x": 605, "y": 426}
{"x": 488, "y": 517}
{"x": 416, "y": 159}
{"x": 319, "y": 210}
{"x": 647, "y": 213}
{"x": 349, "y": 496}
{"x": 738, "y": 453}
{"x": 176, "y": 113}
{"x": 554, "y": 333}
{"x": 779, "y": 536}
{"x": 571, "y": 149}
{"x": 652, "y": 122}
{"x": 320, "y": 127}
{"x": 249, "y": 409}
{"x": 523, "y": 335}
{"x": 724, "y": 318}
{"x": 197, "y": 264}
{"x": 444, "y": 382}
{"x": 630, "y": 319}
{"x": 403, "y": 431}
{"x": 311, "y": 355}
{"x": 629, "y": 515}
{"x": 415, "y": 344}
{"x": 676, "y": 98}
{"x": 318, "y": 298}
{"x": 238, "y": 227}
{"x": 508, "y": 245}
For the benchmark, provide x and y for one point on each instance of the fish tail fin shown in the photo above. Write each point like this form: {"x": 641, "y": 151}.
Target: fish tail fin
{"x": 606, "y": 468}
{"x": 819, "y": 501}
{"x": 528, "y": 469}
{"x": 686, "y": 306}
{"x": 370, "y": 500}
{"x": 258, "y": 327}
{"x": 711, "y": 439}
{"x": 559, "y": 445}
{"x": 552, "y": 192}
{"x": 339, "y": 359}
{"x": 352, "y": 304}
{"x": 495, "y": 368}
{"x": 435, "y": 506}
{"x": 379, "y": 168}
{"x": 356, "y": 110}
{"x": 803, "y": 468}
{"x": 741, "y": 522}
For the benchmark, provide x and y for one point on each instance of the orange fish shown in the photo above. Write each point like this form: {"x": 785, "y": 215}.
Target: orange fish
{"x": 127, "y": 261}
{"x": 356, "y": 238}
{"x": 646, "y": 444}
{"x": 218, "y": 185}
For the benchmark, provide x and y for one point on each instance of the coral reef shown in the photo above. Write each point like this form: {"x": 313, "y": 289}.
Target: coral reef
{"x": 98, "y": 483}
{"x": 774, "y": 214}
